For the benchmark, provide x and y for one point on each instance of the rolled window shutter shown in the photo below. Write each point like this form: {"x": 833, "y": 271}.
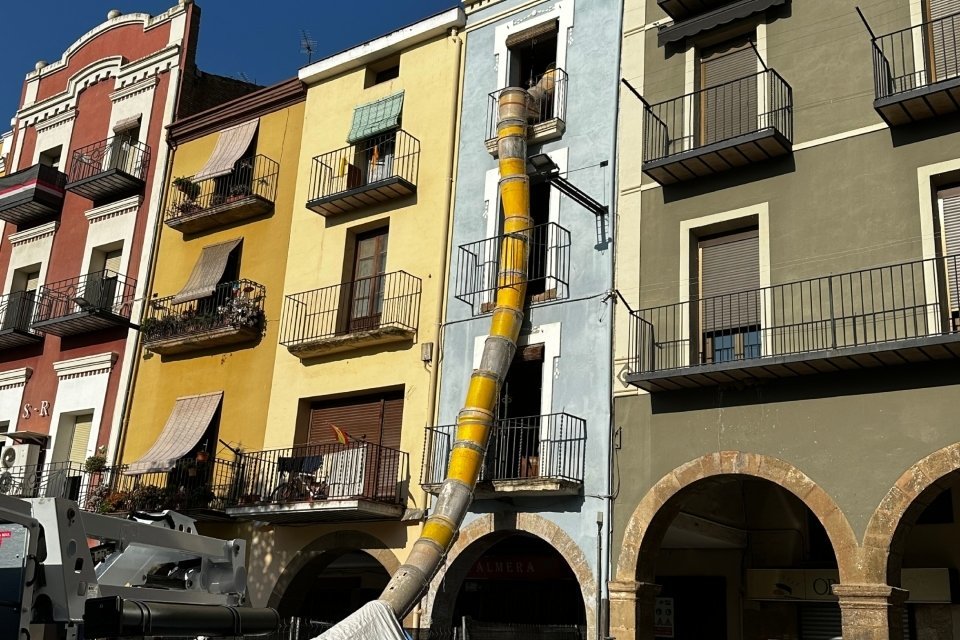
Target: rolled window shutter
{"x": 950, "y": 205}
{"x": 392, "y": 422}
{"x": 537, "y": 32}
{"x": 728, "y": 76}
{"x": 81, "y": 435}
{"x": 376, "y": 419}
{"x": 730, "y": 280}
{"x": 943, "y": 34}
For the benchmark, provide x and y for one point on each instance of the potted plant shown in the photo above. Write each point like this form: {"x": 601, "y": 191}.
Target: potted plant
{"x": 187, "y": 187}
{"x": 202, "y": 454}
{"x": 95, "y": 463}
{"x": 238, "y": 192}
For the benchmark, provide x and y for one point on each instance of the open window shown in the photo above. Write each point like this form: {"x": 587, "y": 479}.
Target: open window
{"x": 382, "y": 71}
{"x": 124, "y": 152}
{"x": 533, "y": 53}
{"x": 103, "y": 278}
{"x": 23, "y": 296}
{"x": 51, "y": 157}
{"x": 515, "y": 447}
{"x": 729, "y": 296}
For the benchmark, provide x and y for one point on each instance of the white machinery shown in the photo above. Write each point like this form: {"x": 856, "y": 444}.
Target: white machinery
{"x": 14, "y": 460}
{"x": 67, "y": 574}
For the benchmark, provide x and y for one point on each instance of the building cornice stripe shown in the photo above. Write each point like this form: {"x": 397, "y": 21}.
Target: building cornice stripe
{"x": 33, "y": 233}
{"x": 85, "y": 366}
{"x": 15, "y": 377}
{"x": 260, "y": 102}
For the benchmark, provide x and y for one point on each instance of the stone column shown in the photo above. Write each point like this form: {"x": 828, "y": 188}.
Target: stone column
{"x": 871, "y": 611}
{"x": 631, "y": 609}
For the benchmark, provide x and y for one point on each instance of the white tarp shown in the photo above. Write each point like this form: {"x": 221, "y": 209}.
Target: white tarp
{"x": 373, "y": 621}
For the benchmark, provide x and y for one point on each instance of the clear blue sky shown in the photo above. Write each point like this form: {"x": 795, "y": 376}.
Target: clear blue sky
{"x": 260, "y": 39}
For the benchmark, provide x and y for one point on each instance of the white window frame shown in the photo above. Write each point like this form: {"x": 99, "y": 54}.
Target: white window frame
{"x": 561, "y": 11}
{"x": 81, "y": 388}
{"x": 30, "y": 247}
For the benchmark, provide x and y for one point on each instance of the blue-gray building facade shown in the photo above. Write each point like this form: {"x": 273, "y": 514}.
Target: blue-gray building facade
{"x": 537, "y": 530}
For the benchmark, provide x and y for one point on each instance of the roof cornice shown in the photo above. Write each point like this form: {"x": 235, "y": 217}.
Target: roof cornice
{"x": 252, "y": 105}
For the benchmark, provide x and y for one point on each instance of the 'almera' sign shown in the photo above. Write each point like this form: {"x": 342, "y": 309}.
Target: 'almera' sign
{"x": 519, "y": 568}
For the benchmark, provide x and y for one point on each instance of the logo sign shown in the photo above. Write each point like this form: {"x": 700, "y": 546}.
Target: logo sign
{"x": 663, "y": 618}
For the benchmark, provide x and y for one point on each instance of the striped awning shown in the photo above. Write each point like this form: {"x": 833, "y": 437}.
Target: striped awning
{"x": 376, "y": 117}
{"x": 231, "y": 144}
{"x": 187, "y": 423}
{"x": 207, "y": 272}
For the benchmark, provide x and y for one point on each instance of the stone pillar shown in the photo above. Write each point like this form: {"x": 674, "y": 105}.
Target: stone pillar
{"x": 871, "y": 611}
{"x": 631, "y": 609}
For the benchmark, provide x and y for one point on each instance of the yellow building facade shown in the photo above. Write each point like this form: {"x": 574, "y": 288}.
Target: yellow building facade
{"x": 355, "y": 368}
{"x": 210, "y": 329}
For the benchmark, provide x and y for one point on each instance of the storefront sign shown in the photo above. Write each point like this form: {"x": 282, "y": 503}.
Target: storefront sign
{"x": 924, "y": 585}
{"x": 518, "y": 568}
{"x": 663, "y": 618}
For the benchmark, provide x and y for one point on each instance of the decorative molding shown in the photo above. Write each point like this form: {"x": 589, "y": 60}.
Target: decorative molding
{"x": 56, "y": 120}
{"x": 15, "y": 377}
{"x": 114, "y": 209}
{"x": 33, "y": 234}
{"x": 85, "y": 366}
{"x": 135, "y": 89}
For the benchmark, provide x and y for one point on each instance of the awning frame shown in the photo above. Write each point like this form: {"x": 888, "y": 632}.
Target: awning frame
{"x": 720, "y": 16}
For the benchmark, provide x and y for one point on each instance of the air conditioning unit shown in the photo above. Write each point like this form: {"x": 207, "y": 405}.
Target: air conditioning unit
{"x": 18, "y": 469}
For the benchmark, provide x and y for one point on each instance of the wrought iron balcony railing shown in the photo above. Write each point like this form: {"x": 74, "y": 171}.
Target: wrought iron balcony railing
{"x": 16, "y": 315}
{"x": 548, "y": 104}
{"x": 731, "y": 124}
{"x": 538, "y": 447}
{"x": 89, "y": 302}
{"x": 32, "y": 195}
{"x": 110, "y": 168}
{"x": 367, "y": 173}
{"x": 233, "y": 312}
{"x": 916, "y": 71}
{"x": 384, "y": 304}
{"x": 322, "y": 473}
{"x": 548, "y": 268}
{"x": 897, "y": 306}
{"x": 247, "y": 191}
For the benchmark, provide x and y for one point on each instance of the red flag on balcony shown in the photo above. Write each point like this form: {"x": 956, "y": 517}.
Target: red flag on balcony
{"x": 340, "y": 434}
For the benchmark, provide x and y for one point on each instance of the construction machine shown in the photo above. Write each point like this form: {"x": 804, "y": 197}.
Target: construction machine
{"x": 69, "y": 574}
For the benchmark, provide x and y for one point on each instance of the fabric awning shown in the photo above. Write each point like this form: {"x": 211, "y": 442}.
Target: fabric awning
{"x": 207, "y": 272}
{"x": 127, "y": 124}
{"x": 542, "y": 30}
{"x": 712, "y": 19}
{"x": 230, "y": 146}
{"x": 376, "y": 117}
{"x": 187, "y": 423}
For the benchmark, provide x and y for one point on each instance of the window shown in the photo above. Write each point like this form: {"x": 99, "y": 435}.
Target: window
{"x": 367, "y": 288}
{"x": 514, "y": 451}
{"x": 21, "y": 303}
{"x": 124, "y": 154}
{"x": 538, "y": 267}
{"x": 729, "y": 296}
{"x": 533, "y": 52}
{"x": 79, "y": 437}
{"x": 942, "y": 51}
{"x": 375, "y": 159}
{"x": 729, "y": 100}
{"x": 948, "y": 201}
{"x": 51, "y": 157}
{"x": 4, "y": 429}
{"x": 102, "y": 280}
{"x": 382, "y": 71}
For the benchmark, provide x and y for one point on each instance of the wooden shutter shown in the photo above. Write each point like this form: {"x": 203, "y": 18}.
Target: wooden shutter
{"x": 730, "y": 280}
{"x": 361, "y": 418}
{"x": 943, "y": 39}
{"x": 950, "y": 206}
{"x": 538, "y": 32}
{"x": 82, "y": 425}
{"x": 728, "y": 76}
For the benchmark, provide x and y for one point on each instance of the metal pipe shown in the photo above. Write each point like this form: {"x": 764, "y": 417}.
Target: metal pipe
{"x": 475, "y": 420}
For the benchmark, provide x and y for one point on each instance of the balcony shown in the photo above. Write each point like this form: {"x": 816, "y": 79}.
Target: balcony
{"x": 304, "y": 484}
{"x": 539, "y": 455}
{"x": 916, "y": 71}
{"x": 200, "y": 490}
{"x": 365, "y": 174}
{"x": 364, "y": 313}
{"x": 91, "y": 302}
{"x": 233, "y": 314}
{"x": 109, "y": 170}
{"x": 31, "y": 196}
{"x": 731, "y": 125}
{"x": 16, "y": 314}
{"x": 547, "y": 110}
{"x": 246, "y": 192}
{"x": 876, "y": 317}
{"x": 548, "y": 268}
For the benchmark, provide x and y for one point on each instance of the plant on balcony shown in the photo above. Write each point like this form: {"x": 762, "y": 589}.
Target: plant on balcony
{"x": 99, "y": 501}
{"x": 187, "y": 207}
{"x": 241, "y": 311}
{"x": 147, "y": 497}
{"x": 187, "y": 187}
{"x": 95, "y": 464}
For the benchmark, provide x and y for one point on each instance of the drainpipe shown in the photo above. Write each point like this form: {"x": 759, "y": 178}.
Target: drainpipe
{"x": 475, "y": 420}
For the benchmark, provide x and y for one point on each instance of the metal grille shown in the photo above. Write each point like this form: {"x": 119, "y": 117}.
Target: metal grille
{"x": 393, "y": 155}
{"x": 917, "y": 57}
{"x": 547, "y": 101}
{"x": 251, "y": 178}
{"x": 99, "y": 292}
{"x": 120, "y": 153}
{"x": 235, "y": 304}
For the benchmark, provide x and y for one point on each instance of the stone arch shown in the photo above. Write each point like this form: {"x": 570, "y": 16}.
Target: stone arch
{"x": 894, "y": 517}
{"x": 652, "y": 514}
{"x": 337, "y": 541}
{"x": 481, "y": 534}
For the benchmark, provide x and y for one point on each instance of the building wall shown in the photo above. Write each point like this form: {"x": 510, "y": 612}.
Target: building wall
{"x": 429, "y": 78}
{"x": 243, "y": 373}
{"x": 577, "y": 329}
{"x": 854, "y": 194}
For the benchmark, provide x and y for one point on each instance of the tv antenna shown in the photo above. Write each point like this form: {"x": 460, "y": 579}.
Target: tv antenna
{"x": 307, "y": 45}
{"x": 240, "y": 75}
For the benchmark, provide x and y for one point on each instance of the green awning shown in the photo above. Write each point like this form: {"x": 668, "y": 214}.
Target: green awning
{"x": 376, "y": 117}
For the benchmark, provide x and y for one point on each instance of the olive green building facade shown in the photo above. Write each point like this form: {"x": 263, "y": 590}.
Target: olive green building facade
{"x": 785, "y": 363}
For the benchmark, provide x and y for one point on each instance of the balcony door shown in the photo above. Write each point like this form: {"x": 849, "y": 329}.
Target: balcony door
{"x": 367, "y": 288}
{"x": 949, "y": 204}
{"x": 21, "y": 303}
{"x": 378, "y": 157}
{"x": 515, "y": 444}
{"x": 100, "y": 288}
{"x": 729, "y": 96}
{"x": 942, "y": 32}
{"x": 729, "y": 305}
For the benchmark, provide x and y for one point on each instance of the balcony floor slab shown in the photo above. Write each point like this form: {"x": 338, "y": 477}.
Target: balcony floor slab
{"x": 319, "y": 511}
{"x": 221, "y": 215}
{"x": 367, "y": 195}
{"x": 758, "y": 146}
{"x": 204, "y": 340}
{"x": 347, "y": 342}
{"x": 926, "y": 102}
